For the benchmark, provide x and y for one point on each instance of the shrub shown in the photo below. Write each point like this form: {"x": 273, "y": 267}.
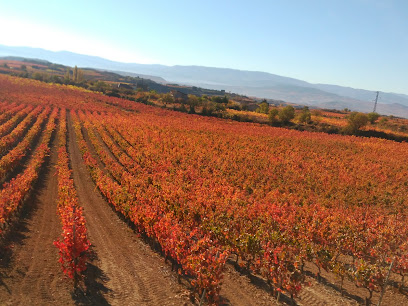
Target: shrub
{"x": 263, "y": 107}
{"x": 373, "y": 117}
{"x": 286, "y": 114}
{"x": 305, "y": 116}
{"x": 272, "y": 116}
{"x": 355, "y": 121}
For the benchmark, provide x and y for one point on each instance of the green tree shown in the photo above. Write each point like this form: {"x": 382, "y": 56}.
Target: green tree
{"x": 355, "y": 121}
{"x": 38, "y": 76}
{"x": 67, "y": 76}
{"x": 263, "y": 107}
{"x": 305, "y": 116}
{"x": 100, "y": 86}
{"x": 193, "y": 101}
{"x": 80, "y": 76}
{"x": 219, "y": 99}
{"x": 167, "y": 98}
{"x": 373, "y": 117}
{"x": 286, "y": 114}
{"x": 75, "y": 73}
{"x": 272, "y": 116}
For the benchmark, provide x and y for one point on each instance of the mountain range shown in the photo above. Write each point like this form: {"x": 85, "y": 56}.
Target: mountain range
{"x": 250, "y": 83}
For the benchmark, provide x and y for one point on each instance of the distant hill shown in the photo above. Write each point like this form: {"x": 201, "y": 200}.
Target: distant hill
{"x": 51, "y": 72}
{"x": 143, "y": 76}
{"x": 363, "y": 95}
{"x": 251, "y": 83}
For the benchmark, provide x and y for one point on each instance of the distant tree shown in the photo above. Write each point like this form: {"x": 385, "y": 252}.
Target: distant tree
{"x": 100, "y": 86}
{"x": 80, "y": 76}
{"x": 167, "y": 98}
{"x": 305, "y": 116}
{"x": 218, "y": 99}
{"x": 153, "y": 94}
{"x": 182, "y": 108}
{"x": 67, "y": 76}
{"x": 373, "y": 117}
{"x": 272, "y": 116}
{"x": 193, "y": 101}
{"x": 218, "y": 107}
{"x": 75, "y": 73}
{"x": 5, "y": 65}
{"x": 355, "y": 121}
{"x": 244, "y": 106}
{"x": 233, "y": 105}
{"x": 286, "y": 114}
{"x": 23, "y": 74}
{"x": 263, "y": 107}
{"x": 114, "y": 92}
{"x": 23, "y": 67}
{"x": 211, "y": 108}
{"x": 39, "y": 76}
{"x": 55, "y": 79}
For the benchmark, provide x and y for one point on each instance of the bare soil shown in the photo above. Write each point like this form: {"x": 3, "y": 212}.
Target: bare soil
{"x": 30, "y": 273}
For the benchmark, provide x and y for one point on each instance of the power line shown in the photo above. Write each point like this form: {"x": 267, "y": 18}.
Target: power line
{"x": 376, "y": 100}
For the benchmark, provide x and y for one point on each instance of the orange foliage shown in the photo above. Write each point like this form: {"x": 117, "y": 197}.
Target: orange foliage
{"x": 204, "y": 188}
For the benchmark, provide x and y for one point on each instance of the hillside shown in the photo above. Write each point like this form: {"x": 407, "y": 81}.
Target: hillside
{"x": 257, "y": 84}
{"x": 45, "y": 70}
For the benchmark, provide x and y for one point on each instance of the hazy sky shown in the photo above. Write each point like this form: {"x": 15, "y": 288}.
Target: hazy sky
{"x": 356, "y": 43}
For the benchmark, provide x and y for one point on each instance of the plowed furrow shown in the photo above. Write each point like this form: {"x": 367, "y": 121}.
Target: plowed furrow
{"x": 30, "y": 272}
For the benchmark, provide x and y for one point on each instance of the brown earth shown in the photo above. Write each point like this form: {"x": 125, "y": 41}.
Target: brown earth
{"x": 30, "y": 273}
{"x": 123, "y": 268}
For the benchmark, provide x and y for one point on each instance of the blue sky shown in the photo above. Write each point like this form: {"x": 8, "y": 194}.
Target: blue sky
{"x": 356, "y": 43}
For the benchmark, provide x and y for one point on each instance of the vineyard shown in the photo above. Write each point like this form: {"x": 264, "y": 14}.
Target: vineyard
{"x": 160, "y": 207}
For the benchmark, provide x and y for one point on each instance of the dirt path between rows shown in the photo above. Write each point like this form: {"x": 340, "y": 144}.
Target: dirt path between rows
{"x": 29, "y": 270}
{"x": 125, "y": 271}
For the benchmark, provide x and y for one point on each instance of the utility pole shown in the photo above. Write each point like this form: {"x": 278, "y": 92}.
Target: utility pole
{"x": 376, "y": 100}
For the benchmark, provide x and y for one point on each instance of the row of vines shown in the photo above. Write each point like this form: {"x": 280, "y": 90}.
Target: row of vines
{"x": 26, "y": 133}
{"x": 15, "y": 191}
{"x": 74, "y": 244}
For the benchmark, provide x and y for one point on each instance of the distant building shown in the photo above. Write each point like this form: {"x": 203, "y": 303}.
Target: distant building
{"x": 124, "y": 86}
{"x": 179, "y": 95}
